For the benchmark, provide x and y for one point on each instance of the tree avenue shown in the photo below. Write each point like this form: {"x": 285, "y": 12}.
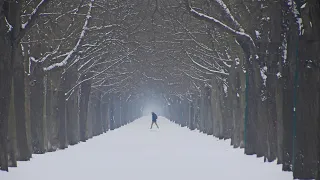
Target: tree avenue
{"x": 235, "y": 69}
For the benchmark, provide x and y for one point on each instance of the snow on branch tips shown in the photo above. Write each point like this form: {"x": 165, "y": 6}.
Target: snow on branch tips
{"x": 116, "y": 63}
{"x": 205, "y": 68}
{"x": 75, "y": 48}
{"x": 236, "y": 32}
{"x": 195, "y": 78}
{"x": 32, "y": 18}
{"x": 227, "y": 11}
{"x": 34, "y": 12}
{"x": 8, "y": 25}
{"x": 294, "y": 8}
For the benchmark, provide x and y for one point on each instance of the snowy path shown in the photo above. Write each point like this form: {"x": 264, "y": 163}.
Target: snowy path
{"x": 134, "y": 152}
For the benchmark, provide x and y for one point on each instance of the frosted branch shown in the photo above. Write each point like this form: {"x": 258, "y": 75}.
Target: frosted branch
{"x": 205, "y": 68}
{"x": 75, "y": 48}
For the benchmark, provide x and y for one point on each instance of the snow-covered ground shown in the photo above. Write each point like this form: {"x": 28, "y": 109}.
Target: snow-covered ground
{"x": 134, "y": 152}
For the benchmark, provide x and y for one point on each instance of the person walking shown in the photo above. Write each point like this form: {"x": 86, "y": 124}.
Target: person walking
{"x": 154, "y": 120}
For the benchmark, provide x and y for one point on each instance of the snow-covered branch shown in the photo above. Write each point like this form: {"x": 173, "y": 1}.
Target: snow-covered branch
{"x": 96, "y": 28}
{"x": 229, "y": 15}
{"x": 87, "y": 79}
{"x": 205, "y": 68}
{"x": 117, "y": 63}
{"x": 235, "y": 32}
{"x": 294, "y": 8}
{"x": 195, "y": 78}
{"x": 75, "y": 48}
{"x": 113, "y": 84}
{"x": 194, "y": 38}
{"x": 153, "y": 78}
{"x": 8, "y": 24}
{"x": 32, "y": 18}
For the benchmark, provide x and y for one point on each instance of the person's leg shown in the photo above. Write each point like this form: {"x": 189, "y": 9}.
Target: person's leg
{"x": 156, "y": 124}
{"x": 151, "y": 125}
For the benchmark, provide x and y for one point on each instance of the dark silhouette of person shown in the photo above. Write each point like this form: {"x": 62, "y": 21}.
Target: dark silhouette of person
{"x": 154, "y": 120}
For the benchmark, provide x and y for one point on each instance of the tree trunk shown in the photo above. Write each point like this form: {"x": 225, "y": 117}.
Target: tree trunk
{"x": 12, "y": 135}
{"x": 52, "y": 110}
{"x": 105, "y": 113}
{"x": 73, "y": 119}
{"x": 116, "y": 111}
{"x": 38, "y": 111}
{"x": 279, "y": 107}
{"x": 233, "y": 105}
{"x": 98, "y": 126}
{"x": 242, "y": 103}
{"x": 202, "y": 112}
{"x": 186, "y": 112}
{"x": 27, "y": 99}
{"x": 191, "y": 116}
{"x": 91, "y": 117}
{"x": 252, "y": 98}
{"x": 124, "y": 112}
{"x": 111, "y": 113}
{"x": 72, "y": 109}
{"x": 307, "y": 107}
{"x": 9, "y": 11}
{"x": 24, "y": 152}
{"x": 291, "y": 38}
{"x": 62, "y": 114}
{"x": 85, "y": 90}
{"x": 197, "y": 113}
{"x": 5, "y": 89}
{"x": 216, "y": 109}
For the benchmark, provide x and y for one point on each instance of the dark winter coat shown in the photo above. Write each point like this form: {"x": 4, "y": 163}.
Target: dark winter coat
{"x": 154, "y": 117}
